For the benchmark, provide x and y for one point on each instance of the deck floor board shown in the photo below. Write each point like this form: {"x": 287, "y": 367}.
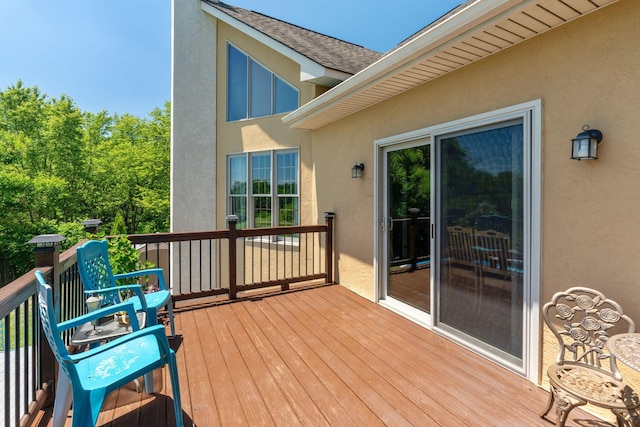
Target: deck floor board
{"x": 324, "y": 356}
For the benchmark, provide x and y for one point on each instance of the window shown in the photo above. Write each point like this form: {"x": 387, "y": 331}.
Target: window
{"x": 253, "y": 90}
{"x": 272, "y": 198}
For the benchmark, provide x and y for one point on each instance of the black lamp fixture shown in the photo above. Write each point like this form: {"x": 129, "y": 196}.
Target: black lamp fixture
{"x": 356, "y": 170}
{"x": 585, "y": 145}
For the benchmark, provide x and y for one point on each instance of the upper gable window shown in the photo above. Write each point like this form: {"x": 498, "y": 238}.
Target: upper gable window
{"x": 253, "y": 90}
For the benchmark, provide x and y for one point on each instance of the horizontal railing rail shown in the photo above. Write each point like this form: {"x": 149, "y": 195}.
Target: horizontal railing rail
{"x": 225, "y": 262}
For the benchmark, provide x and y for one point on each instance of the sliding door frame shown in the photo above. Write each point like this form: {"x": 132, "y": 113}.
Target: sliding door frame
{"x": 531, "y": 114}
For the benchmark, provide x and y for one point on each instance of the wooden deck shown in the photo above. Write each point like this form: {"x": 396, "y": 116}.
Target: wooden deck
{"x": 325, "y": 356}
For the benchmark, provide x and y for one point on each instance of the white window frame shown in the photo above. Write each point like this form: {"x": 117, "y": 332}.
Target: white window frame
{"x": 274, "y": 76}
{"x": 275, "y": 197}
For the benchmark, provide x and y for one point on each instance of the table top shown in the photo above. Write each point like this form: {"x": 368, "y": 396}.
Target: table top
{"x": 626, "y": 348}
{"x": 106, "y": 329}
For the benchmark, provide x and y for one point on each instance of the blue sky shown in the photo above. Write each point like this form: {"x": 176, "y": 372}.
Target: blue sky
{"x": 115, "y": 55}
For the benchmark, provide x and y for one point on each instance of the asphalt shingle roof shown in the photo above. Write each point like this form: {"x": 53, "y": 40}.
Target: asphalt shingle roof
{"x": 325, "y": 50}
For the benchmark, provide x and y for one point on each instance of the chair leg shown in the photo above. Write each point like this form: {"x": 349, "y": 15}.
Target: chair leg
{"x": 170, "y": 309}
{"x": 175, "y": 386}
{"x": 86, "y": 407}
{"x": 629, "y": 418}
{"x": 564, "y": 405}
{"x": 549, "y": 406}
{"x": 478, "y": 293}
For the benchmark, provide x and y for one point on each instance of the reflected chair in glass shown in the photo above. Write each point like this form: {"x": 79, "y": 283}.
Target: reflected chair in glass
{"x": 94, "y": 373}
{"x": 490, "y": 249}
{"x": 461, "y": 260}
{"x": 96, "y": 274}
{"x": 582, "y": 320}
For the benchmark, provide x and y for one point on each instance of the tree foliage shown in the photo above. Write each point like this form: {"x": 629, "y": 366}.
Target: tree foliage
{"x": 60, "y": 166}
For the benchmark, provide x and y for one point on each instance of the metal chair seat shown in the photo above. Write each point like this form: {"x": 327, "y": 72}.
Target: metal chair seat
{"x": 593, "y": 385}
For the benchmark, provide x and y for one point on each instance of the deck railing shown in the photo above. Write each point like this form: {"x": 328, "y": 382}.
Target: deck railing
{"x": 196, "y": 264}
{"x": 28, "y": 366}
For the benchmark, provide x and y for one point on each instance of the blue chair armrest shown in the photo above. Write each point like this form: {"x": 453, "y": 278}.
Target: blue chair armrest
{"x": 158, "y": 272}
{"x": 156, "y": 330}
{"x": 102, "y": 312}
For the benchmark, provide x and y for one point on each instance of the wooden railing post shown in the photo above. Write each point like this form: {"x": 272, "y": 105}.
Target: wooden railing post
{"x": 47, "y": 255}
{"x": 232, "y": 222}
{"x": 329, "y": 218}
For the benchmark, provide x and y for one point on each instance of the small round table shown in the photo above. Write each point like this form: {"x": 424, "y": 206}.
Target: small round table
{"x": 626, "y": 348}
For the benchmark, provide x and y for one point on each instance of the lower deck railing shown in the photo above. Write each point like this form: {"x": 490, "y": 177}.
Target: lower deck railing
{"x": 196, "y": 264}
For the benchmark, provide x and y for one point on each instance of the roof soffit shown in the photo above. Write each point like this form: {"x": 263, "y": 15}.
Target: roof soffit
{"x": 468, "y": 34}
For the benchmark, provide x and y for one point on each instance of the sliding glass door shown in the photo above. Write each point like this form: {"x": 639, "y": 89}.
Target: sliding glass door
{"x": 455, "y": 225}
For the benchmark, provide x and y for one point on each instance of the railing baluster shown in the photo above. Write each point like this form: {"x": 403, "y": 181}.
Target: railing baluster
{"x": 16, "y": 360}
{"x": 7, "y": 369}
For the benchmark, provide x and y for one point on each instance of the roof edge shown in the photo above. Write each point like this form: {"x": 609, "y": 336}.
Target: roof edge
{"x": 449, "y": 29}
{"x": 310, "y": 70}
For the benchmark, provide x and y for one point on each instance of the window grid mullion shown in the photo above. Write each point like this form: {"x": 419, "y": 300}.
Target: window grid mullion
{"x": 248, "y": 114}
{"x": 274, "y": 191}
{"x": 250, "y": 203}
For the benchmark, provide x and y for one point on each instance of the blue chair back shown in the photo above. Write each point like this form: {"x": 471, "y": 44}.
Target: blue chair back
{"x": 49, "y": 324}
{"x": 95, "y": 270}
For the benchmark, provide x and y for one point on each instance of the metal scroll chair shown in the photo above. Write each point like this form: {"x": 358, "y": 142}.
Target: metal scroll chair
{"x": 97, "y": 276}
{"x": 94, "y": 373}
{"x": 582, "y": 320}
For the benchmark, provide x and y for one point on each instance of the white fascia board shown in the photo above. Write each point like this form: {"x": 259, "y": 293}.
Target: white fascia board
{"x": 472, "y": 16}
{"x": 309, "y": 69}
{"x": 328, "y": 72}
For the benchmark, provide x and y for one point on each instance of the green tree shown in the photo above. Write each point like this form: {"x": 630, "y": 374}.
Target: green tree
{"x": 60, "y": 166}
{"x": 118, "y": 227}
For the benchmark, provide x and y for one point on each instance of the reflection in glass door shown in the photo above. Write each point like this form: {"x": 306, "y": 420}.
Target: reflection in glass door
{"x": 408, "y": 213}
{"x": 481, "y": 228}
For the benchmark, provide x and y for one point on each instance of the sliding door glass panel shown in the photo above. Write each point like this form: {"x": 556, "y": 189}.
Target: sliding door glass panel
{"x": 481, "y": 234}
{"x": 409, "y": 212}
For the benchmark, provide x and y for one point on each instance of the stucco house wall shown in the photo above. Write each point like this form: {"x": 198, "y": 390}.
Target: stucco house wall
{"x": 585, "y": 72}
{"x": 193, "y": 112}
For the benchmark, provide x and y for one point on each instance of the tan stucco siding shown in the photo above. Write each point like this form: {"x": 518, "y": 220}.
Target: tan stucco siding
{"x": 585, "y": 72}
{"x": 193, "y": 131}
{"x": 265, "y": 133}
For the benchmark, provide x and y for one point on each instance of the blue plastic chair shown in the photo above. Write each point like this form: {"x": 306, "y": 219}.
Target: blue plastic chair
{"x": 97, "y": 276}
{"x": 94, "y": 373}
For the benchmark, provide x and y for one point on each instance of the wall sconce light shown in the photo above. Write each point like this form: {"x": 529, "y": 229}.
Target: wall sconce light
{"x": 585, "y": 145}
{"x": 356, "y": 170}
